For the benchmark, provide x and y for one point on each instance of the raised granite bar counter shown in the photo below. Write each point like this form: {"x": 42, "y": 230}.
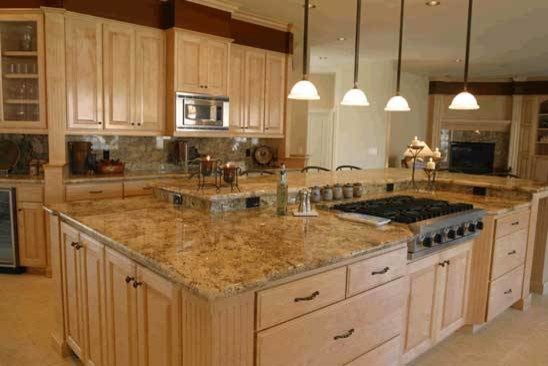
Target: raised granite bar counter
{"x": 221, "y": 255}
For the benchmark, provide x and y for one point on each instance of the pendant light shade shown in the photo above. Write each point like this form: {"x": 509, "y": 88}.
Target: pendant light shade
{"x": 398, "y": 103}
{"x": 355, "y": 96}
{"x": 465, "y": 100}
{"x": 304, "y": 89}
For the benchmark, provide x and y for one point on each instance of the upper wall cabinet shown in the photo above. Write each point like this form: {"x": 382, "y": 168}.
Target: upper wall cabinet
{"x": 115, "y": 76}
{"x": 22, "y": 86}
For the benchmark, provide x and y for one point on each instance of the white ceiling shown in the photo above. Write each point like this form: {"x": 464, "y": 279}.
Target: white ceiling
{"x": 509, "y": 39}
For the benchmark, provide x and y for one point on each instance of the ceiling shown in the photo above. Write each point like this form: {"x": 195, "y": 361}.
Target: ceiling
{"x": 509, "y": 37}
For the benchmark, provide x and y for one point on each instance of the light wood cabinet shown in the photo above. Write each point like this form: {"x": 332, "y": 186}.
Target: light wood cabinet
{"x": 254, "y": 90}
{"x": 31, "y": 227}
{"x": 92, "y": 191}
{"x": 137, "y": 188}
{"x": 437, "y": 300}
{"x": 217, "y": 67}
{"x": 540, "y": 168}
{"x": 275, "y": 95}
{"x": 237, "y": 88}
{"x": 84, "y": 73}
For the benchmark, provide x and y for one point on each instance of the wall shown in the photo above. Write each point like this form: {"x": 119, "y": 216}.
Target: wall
{"x": 406, "y": 125}
{"x": 154, "y": 153}
{"x": 30, "y": 147}
{"x": 325, "y": 83}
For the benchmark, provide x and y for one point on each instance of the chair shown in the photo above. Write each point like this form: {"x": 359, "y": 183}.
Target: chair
{"x": 259, "y": 172}
{"x": 347, "y": 167}
{"x": 306, "y": 169}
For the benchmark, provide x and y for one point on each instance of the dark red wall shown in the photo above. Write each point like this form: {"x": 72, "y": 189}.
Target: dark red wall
{"x": 253, "y": 35}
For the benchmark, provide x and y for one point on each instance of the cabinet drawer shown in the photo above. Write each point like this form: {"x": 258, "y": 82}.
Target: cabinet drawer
{"x": 81, "y": 192}
{"x": 337, "y": 334}
{"x": 375, "y": 271}
{"x": 512, "y": 223}
{"x": 294, "y": 299}
{"x": 504, "y": 292}
{"x": 137, "y": 188}
{"x": 387, "y": 354}
{"x": 30, "y": 193}
{"x": 509, "y": 253}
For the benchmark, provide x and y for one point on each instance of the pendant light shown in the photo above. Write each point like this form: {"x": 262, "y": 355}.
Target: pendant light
{"x": 465, "y": 100}
{"x": 304, "y": 89}
{"x": 398, "y": 103}
{"x": 355, "y": 96}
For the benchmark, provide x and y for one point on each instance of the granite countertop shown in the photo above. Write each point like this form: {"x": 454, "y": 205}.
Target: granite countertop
{"x": 224, "y": 254}
{"x": 126, "y": 176}
{"x": 261, "y": 185}
{"x": 21, "y": 179}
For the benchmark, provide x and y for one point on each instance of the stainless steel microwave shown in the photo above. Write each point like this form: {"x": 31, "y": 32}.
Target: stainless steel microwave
{"x": 201, "y": 112}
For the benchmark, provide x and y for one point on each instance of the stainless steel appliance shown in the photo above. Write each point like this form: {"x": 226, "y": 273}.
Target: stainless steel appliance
{"x": 436, "y": 223}
{"x": 8, "y": 232}
{"x": 201, "y": 112}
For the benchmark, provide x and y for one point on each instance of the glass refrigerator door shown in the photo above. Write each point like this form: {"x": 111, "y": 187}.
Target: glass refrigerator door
{"x": 8, "y": 254}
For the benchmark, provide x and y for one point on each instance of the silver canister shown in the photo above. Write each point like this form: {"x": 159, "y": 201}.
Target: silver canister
{"x": 358, "y": 190}
{"x": 348, "y": 191}
{"x": 337, "y": 192}
{"x": 327, "y": 193}
{"x": 316, "y": 194}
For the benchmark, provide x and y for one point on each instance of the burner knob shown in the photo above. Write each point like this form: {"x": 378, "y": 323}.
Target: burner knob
{"x": 438, "y": 238}
{"x": 460, "y": 231}
{"x": 479, "y": 225}
{"x": 451, "y": 234}
{"x": 472, "y": 228}
{"x": 427, "y": 242}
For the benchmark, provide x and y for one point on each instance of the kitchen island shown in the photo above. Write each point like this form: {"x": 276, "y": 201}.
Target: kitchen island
{"x": 144, "y": 281}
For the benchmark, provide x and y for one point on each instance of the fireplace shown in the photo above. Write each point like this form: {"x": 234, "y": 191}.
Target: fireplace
{"x": 472, "y": 157}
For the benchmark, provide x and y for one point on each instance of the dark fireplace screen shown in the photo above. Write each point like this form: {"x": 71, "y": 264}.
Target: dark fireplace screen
{"x": 472, "y": 157}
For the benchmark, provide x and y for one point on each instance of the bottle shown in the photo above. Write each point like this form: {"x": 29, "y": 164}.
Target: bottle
{"x": 282, "y": 193}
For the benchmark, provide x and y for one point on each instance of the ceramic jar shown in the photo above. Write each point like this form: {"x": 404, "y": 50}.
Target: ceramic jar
{"x": 315, "y": 194}
{"x": 358, "y": 190}
{"x": 327, "y": 193}
{"x": 348, "y": 191}
{"x": 337, "y": 192}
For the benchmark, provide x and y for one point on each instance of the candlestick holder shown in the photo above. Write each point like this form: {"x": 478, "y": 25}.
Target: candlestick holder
{"x": 431, "y": 174}
{"x": 415, "y": 152}
{"x": 208, "y": 167}
{"x": 230, "y": 175}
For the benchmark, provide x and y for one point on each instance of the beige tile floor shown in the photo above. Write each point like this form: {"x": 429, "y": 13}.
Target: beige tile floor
{"x": 514, "y": 338}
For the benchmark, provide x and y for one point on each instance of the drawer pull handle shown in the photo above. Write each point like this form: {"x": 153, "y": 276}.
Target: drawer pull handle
{"x": 441, "y": 264}
{"x": 515, "y": 223}
{"x": 308, "y": 298}
{"x": 78, "y": 246}
{"x": 381, "y": 272}
{"x": 95, "y": 192}
{"x": 512, "y": 252}
{"x": 136, "y": 284}
{"x": 448, "y": 262}
{"x": 508, "y": 292}
{"x": 74, "y": 244}
{"x": 129, "y": 279}
{"x": 345, "y": 335}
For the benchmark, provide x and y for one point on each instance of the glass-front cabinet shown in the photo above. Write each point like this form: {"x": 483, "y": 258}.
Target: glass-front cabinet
{"x": 22, "y": 82}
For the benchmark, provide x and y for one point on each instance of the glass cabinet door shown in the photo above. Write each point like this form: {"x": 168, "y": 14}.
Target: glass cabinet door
{"x": 21, "y": 81}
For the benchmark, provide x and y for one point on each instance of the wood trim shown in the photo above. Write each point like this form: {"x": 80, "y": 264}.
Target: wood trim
{"x": 472, "y": 125}
{"x": 537, "y": 250}
{"x": 491, "y": 88}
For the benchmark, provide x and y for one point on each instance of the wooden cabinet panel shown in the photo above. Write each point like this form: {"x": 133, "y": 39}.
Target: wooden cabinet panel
{"x": 387, "y": 354}
{"x": 275, "y": 90}
{"x": 337, "y": 334}
{"x": 540, "y": 169}
{"x": 92, "y": 255}
{"x": 236, "y": 87}
{"x": 158, "y": 320}
{"x": 119, "y": 71}
{"x": 84, "y": 73}
{"x": 504, "y": 292}
{"x": 30, "y": 193}
{"x": 137, "y": 188}
{"x": 508, "y": 253}
{"x": 74, "y": 323}
{"x": 376, "y": 271}
{"x": 512, "y": 223}
{"x": 217, "y": 67}
{"x": 254, "y": 88}
{"x": 188, "y": 59}
{"x": 31, "y": 227}
{"x": 150, "y": 101}
{"x": 90, "y": 191}
{"x": 120, "y": 310}
{"x": 291, "y": 300}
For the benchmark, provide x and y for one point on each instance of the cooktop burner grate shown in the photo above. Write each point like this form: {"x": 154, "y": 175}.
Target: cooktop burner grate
{"x": 404, "y": 209}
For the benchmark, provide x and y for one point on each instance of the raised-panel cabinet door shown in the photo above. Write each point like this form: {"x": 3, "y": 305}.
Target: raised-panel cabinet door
{"x": 119, "y": 73}
{"x": 540, "y": 169}
{"x": 74, "y": 323}
{"x": 236, "y": 87}
{"x": 158, "y": 320}
{"x": 32, "y": 235}
{"x": 217, "y": 65}
{"x": 454, "y": 293}
{"x": 275, "y": 93}
{"x": 121, "y": 310}
{"x": 255, "y": 64}
{"x": 189, "y": 53}
{"x": 84, "y": 73}
{"x": 92, "y": 255}
{"x": 150, "y": 86}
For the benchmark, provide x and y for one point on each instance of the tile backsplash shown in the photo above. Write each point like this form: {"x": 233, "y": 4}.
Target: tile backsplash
{"x": 30, "y": 147}
{"x": 154, "y": 153}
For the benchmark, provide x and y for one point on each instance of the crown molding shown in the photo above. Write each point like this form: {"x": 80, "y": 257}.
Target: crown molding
{"x": 224, "y": 5}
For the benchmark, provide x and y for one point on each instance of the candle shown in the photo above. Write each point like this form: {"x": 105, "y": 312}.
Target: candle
{"x": 207, "y": 166}
{"x": 415, "y": 142}
{"x": 437, "y": 153}
{"x": 431, "y": 165}
{"x": 229, "y": 173}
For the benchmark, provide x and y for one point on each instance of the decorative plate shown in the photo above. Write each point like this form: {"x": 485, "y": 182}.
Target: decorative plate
{"x": 9, "y": 154}
{"x": 263, "y": 155}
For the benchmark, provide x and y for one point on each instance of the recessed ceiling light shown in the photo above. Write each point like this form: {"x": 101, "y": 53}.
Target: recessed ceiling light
{"x": 433, "y": 3}
{"x": 341, "y": 39}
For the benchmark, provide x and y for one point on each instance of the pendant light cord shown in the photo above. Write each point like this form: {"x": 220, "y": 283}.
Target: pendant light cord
{"x": 400, "y": 48}
{"x": 357, "y": 45}
{"x": 305, "y": 41}
{"x": 469, "y": 31}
